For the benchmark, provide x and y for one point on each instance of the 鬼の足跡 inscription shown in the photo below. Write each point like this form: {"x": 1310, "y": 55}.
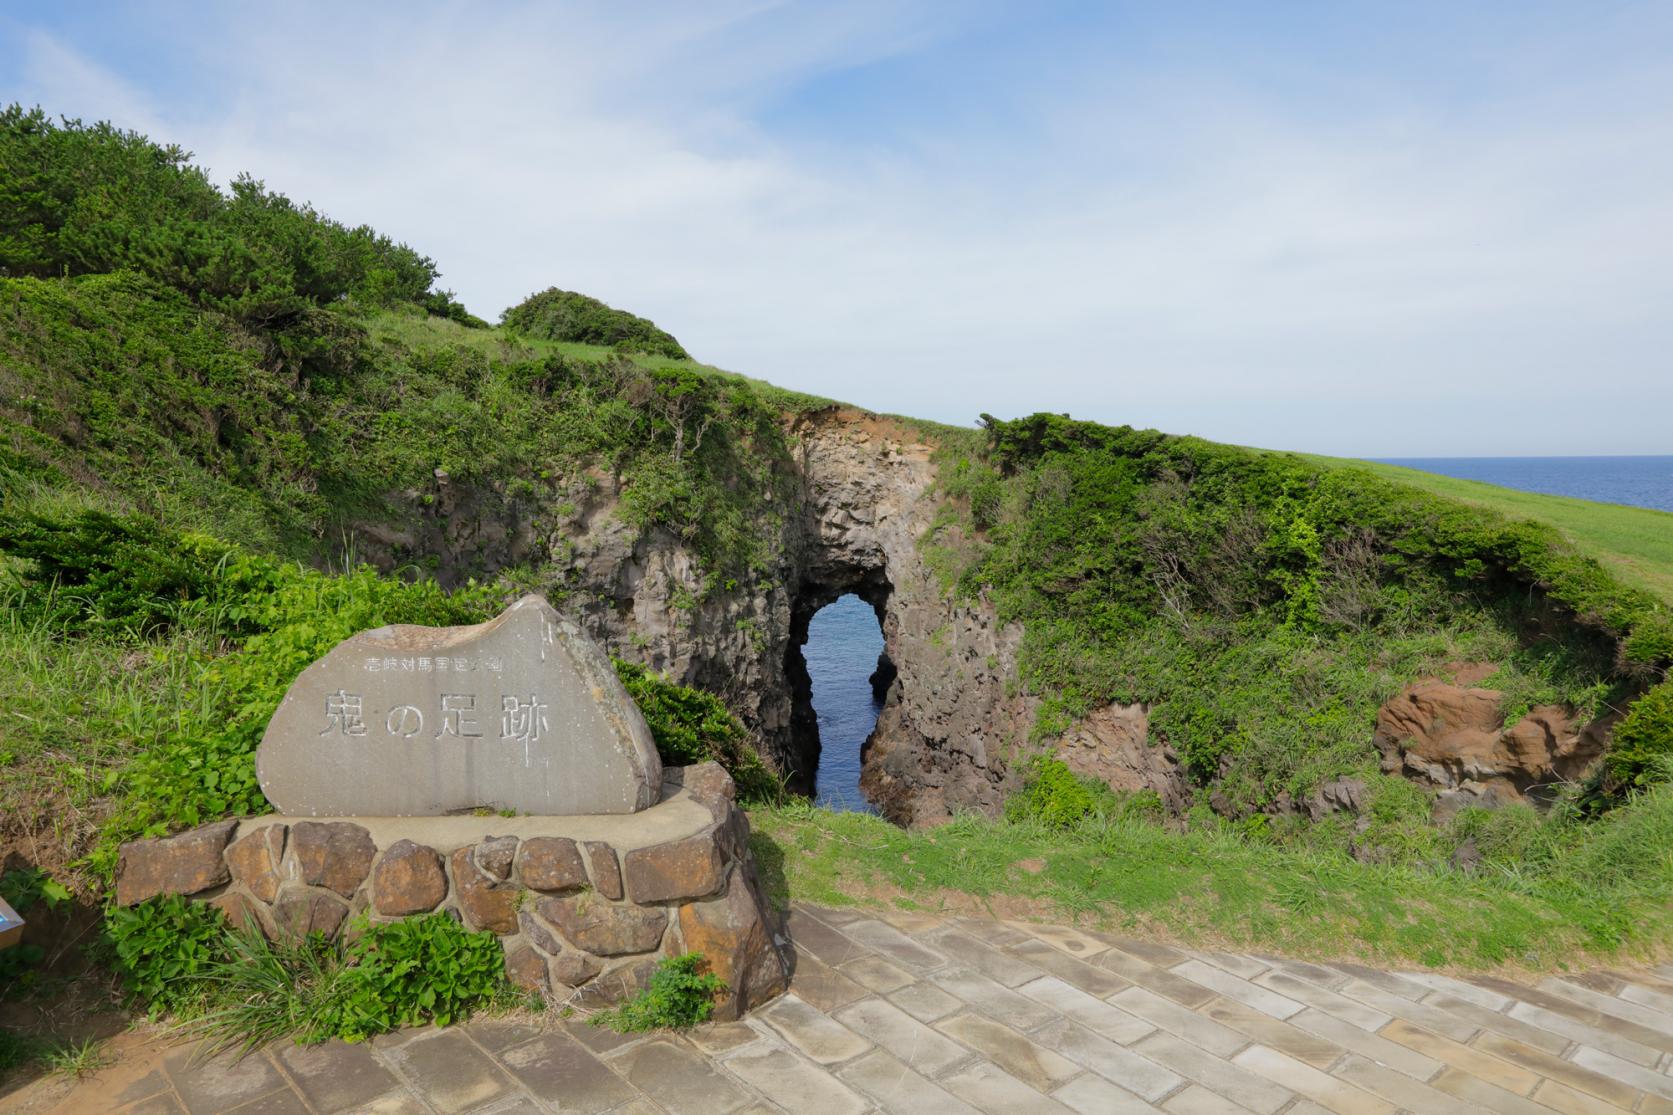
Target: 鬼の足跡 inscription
{"x": 523, "y": 713}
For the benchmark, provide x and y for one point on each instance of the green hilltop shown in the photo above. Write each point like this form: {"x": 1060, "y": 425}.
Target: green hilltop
{"x": 210, "y": 401}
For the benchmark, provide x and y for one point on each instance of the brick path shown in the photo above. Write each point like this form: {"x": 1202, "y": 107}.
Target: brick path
{"x": 922, "y": 1015}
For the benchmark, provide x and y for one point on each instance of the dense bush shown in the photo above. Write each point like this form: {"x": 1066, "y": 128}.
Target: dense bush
{"x": 414, "y": 971}
{"x": 692, "y": 726}
{"x": 165, "y": 948}
{"x": 680, "y": 995}
{"x": 1643, "y": 741}
{"x": 1057, "y": 797}
{"x": 563, "y": 315}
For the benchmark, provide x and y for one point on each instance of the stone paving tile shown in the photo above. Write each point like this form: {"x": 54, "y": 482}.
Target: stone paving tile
{"x": 996, "y": 1092}
{"x": 876, "y": 974}
{"x": 1160, "y": 980}
{"x": 1407, "y": 1010}
{"x": 1419, "y": 1066}
{"x": 163, "y": 1103}
{"x": 891, "y": 943}
{"x": 1245, "y": 967}
{"x": 599, "y": 1039}
{"x": 1481, "y": 996}
{"x": 719, "y": 1037}
{"x": 1090, "y": 1094}
{"x": 925, "y": 1001}
{"x": 822, "y": 985}
{"x": 828, "y": 944}
{"x": 1199, "y": 1030}
{"x": 1499, "y": 1073}
{"x": 832, "y": 915}
{"x": 1503, "y": 1024}
{"x": 1560, "y": 1097}
{"x": 1033, "y": 1064}
{"x": 1152, "y": 952}
{"x": 1067, "y": 940}
{"x": 1457, "y": 1082}
{"x": 1555, "y": 1068}
{"x": 902, "y": 1035}
{"x": 1580, "y": 1012}
{"x": 401, "y": 1102}
{"x": 450, "y": 1071}
{"x": 1583, "y": 1034}
{"x": 994, "y": 998}
{"x": 899, "y": 1090}
{"x": 1397, "y": 1087}
{"x": 1263, "y": 999}
{"x": 1214, "y": 1073}
{"x": 1001, "y": 967}
{"x": 680, "y": 1079}
{"x": 1652, "y": 996}
{"x": 1647, "y": 1080}
{"x": 555, "y": 1067}
{"x": 998, "y": 934}
{"x": 1323, "y": 998}
{"x": 495, "y": 1034}
{"x": 1089, "y": 1010}
{"x": 1304, "y": 1080}
{"x": 335, "y": 1076}
{"x": 282, "y": 1102}
{"x": 1136, "y": 1074}
{"x": 793, "y": 1083}
{"x": 1197, "y": 1100}
{"x": 813, "y": 1031}
{"x": 912, "y": 922}
{"x": 1300, "y": 1044}
{"x": 1088, "y": 977}
{"x": 1385, "y": 981}
{"x": 1610, "y": 1004}
{"x": 1302, "y": 970}
{"x": 211, "y": 1085}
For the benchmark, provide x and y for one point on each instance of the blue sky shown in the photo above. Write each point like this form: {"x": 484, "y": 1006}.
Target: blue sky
{"x": 1399, "y": 229}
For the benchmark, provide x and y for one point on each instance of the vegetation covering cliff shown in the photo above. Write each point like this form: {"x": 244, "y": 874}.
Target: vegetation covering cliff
{"x": 214, "y": 407}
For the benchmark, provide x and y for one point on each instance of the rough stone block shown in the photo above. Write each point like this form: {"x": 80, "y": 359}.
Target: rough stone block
{"x": 573, "y": 969}
{"x": 596, "y": 926}
{"x": 243, "y": 912}
{"x": 494, "y": 856}
{"x": 732, "y": 934}
{"x": 254, "y": 860}
{"x": 679, "y": 869}
{"x": 550, "y": 863}
{"x": 535, "y": 931}
{"x": 526, "y": 968}
{"x": 183, "y": 864}
{"x": 485, "y": 903}
{"x": 408, "y": 880}
{"x": 606, "y": 869}
{"x": 336, "y": 854}
{"x": 300, "y": 912}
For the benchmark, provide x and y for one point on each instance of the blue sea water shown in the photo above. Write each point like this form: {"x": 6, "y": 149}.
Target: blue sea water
{"x": 843, "y": 642}
{"x": 1637, "y": 481}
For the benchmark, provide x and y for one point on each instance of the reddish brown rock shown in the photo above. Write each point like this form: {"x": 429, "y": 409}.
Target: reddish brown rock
{"x": 732, "y": 934}
{"x": 689, "y": 868}
{"x": 494, "y": 856}
{"x": 1113, "y": 745}
{"x": 243, "y": 912}
{"x": 550, "y": 863}
{"x": 526, "y": 968}
{"x": 1453, "y": 738}
{"x": 408, "y": 880}
{"x": 606, "y": 869}
{"x": 254, "y": 860}
{"x": 301, "y": 912}
{"x": 332, "y": 854}
{"x": 183, "y": 864}
{"x": 599, "y": 927}
{"x": 485, "y": 903}
{"x": 537, "y": 934}
{"x": 573, "y": 969}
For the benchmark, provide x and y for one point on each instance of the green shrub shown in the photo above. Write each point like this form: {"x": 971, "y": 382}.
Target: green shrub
{"x": 563, "y": 315}
{"x": 165, "y": 948}
{"x": 414, "y": 971}
{"x": 691, "y": 726}
{"x": 1052, "y": 795}
{"x": 1642, "y": 739}
{"x": 680, "y": 995}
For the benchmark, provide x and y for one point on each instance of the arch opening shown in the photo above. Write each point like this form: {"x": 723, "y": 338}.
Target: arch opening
{"x": 840, "y": 673}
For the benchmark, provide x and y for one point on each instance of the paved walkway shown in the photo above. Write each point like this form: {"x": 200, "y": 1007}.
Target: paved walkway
{"x": 922, "y": 1015}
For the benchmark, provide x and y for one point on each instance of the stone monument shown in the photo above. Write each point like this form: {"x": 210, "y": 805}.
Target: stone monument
{"x": 523, "y": 713}
{"x": 390, "y": 760}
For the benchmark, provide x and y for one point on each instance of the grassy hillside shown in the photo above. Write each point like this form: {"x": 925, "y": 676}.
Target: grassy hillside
{"x": 1634, "y": 543}
{"x": 203, "y": 397}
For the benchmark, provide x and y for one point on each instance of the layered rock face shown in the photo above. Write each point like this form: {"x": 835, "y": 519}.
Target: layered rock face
{"x": 584, "y": 906}
{"x": 1452, "y": 737}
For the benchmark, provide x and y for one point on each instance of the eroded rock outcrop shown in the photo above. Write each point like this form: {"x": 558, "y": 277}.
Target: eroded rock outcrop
{"x": 1113, "y": 745}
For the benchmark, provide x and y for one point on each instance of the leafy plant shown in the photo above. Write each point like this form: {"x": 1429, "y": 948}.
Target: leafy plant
{"x": 165, "y": 947}
{"x": 1643, "y": 740}
{"x": 409, "y": 972}
{"x": 679, "y": 995}
{"x": 691, "y": 726}
{"x": 563, "y": 315}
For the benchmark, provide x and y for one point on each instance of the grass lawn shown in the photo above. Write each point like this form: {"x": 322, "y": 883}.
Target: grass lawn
{"x": 1634, "y": 543}
{"x": 1607, "y": 896}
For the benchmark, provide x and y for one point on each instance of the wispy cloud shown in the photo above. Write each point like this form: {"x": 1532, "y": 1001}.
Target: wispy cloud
{"x": 1339, "y": 258}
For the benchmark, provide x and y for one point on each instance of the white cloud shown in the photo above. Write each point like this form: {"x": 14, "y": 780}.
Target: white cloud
{"x": 1182, "y": 252}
